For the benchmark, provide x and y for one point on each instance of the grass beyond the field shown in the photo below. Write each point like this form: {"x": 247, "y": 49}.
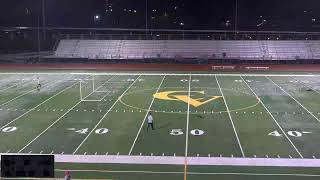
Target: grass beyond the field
{"x": 196, "y": 115}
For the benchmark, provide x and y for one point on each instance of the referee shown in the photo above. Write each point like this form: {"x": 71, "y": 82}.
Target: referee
{"x": 150, "y": 121}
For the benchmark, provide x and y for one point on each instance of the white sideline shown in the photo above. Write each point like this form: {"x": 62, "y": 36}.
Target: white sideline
{"x": 37, "y": 106}
{"x": 168, "y": 74}
{"x": 274, "y": 119}
{"x": 144, "y": 119}
{"x": 180, "y": 160}
{"x": 105, "y": 115}
{"x": 293, "y": 99}
{"x": 234, "y": 128}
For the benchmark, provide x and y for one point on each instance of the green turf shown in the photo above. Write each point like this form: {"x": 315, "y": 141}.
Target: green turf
{"x": 54, "y": 120}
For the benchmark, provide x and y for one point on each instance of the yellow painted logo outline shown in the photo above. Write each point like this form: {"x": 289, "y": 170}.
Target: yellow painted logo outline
{"x": 180, "y": 96}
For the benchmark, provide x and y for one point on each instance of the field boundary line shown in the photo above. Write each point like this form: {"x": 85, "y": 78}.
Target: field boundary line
{"x": 274, "y": 119}
{"x": 37, "y": 106}
{"x": 179, "y": 160}
{"x": 55, "y": 121}
{"x": 293, "y": 99}
{"x": 144, "y": 119}
{"x": 191, "y": 173}
{"x": 109, "y": 110}
{"x": 168, "y": 74}
{"x": 230, "y": 117}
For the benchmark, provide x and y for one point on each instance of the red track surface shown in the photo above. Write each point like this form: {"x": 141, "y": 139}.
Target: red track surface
{"x": 155, "y": 67}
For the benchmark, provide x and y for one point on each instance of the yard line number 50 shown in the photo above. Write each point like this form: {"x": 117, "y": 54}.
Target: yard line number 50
{"x": 179, "y": 132}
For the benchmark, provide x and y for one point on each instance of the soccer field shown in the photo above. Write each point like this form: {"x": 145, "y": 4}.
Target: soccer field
{"x": 224, "y": 126}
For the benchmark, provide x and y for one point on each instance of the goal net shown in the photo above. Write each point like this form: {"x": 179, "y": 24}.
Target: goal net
{"x": 95, "y": 88}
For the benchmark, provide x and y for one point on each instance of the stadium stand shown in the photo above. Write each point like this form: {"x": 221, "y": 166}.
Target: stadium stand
{"x": 184, "y": 49}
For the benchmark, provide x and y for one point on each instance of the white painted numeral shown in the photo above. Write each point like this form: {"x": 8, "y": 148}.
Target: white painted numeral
{"x": 197, "y": 132}
{"x": 176, "y": 132}
{"x": 275, "y": 133}
{"x": 184, "y": 80}
{"x": 194, "y": 132}
{"x": 290, "y": 133}
{"x": 295, "y": 133}
{"x": 9, "y": 129}
{"x": 102, "y": 131}
{"x": 82, "y": 131}
{"x": 131, "y": 80}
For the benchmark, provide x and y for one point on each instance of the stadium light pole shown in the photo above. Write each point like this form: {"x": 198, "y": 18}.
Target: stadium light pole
{"x": 43, "y": 20}
{"x": 236, "y": 20}
{"x": 146, "y": 17}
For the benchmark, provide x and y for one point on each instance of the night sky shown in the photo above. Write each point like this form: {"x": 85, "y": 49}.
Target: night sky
{"x": 291, "y": 15}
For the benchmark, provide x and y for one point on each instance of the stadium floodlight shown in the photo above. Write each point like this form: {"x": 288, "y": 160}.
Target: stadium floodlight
{"x": 96, "y": 17}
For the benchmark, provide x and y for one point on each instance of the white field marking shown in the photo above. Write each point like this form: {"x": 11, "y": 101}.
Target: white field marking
{"x": 294, "y": 99}
{"x": 307, "y": 85}
{"x": 49, "y": 126}
{"x": 160, "y": 74}
{"x": 274, "y": 119}
{"x": 144, "y": 119}
{"x": 188, "y": 118}
{"x": 105, "y": 115}
{"x": 37, "y": 106}
{"x": 234, "y": 128}
{"x": 1, "y": 90}
{"x": 83, "y": 99}
{"x": 191, "y": 173}
{"x": 19, "y": 96}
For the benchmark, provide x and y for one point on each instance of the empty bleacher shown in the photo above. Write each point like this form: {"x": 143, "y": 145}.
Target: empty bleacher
{"x": 184, "y": 49}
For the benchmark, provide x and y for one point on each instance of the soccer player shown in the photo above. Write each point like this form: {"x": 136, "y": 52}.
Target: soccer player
{"x": 150, "y": 121}
{"x": 39, "y": 84}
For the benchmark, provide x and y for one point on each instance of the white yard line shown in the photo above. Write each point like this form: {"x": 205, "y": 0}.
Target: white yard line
{"x": 54, "y": 122}
{"x": 230, "y": 117}
{"x": 37, "y": 106}
{"x": 294, "y": 99}
{"x": 49, "y": 126}
{"x": 188, "y": 118}
{"x": 105, "y": 115}
{"x": 283, "y": 132}
{"x": 307, "y": 85}
{"x": 17, "y": 97}
{"x": 1, "y": 90}
{"x": 144, "y": 119}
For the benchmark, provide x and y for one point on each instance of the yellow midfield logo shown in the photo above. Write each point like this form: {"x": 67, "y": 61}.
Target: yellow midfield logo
{"x": 183, "y": 96}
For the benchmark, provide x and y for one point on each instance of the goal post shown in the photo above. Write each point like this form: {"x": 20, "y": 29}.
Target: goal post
{"x": 94, "y": 88}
